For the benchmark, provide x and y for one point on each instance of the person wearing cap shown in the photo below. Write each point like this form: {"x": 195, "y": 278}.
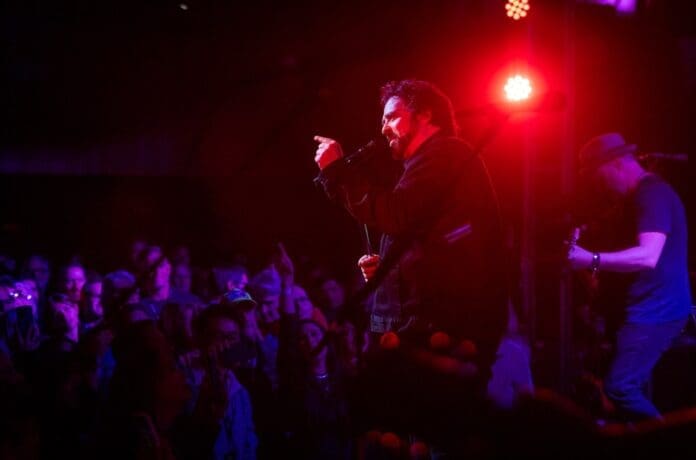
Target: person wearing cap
{"x": 649, "y": 261}
{"x": 245, "y": 306}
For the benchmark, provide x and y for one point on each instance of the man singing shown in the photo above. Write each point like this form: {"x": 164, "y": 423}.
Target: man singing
{"x": 439, "y": 218}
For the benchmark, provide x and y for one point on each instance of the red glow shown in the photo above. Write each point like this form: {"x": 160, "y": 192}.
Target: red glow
{"x": 390, "y": 441}
{"x": 389, "y": 341}
{"x": 505, "y": 76}
{"x": 440, "y": 341}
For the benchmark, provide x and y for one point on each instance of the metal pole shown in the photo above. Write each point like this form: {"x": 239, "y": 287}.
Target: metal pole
{"x": 567, "y": 184}
{"x": 527, "y": 231}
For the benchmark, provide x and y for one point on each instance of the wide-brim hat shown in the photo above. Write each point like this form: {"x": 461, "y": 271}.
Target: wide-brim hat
{"x": 602, "y": 149}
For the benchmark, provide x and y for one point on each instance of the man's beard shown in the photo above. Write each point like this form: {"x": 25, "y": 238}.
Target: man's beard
{"x": 398, "y": 145}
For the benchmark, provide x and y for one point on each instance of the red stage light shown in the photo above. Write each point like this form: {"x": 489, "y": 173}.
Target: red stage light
{"x": 517, "y": 88}
{"x": 517, "y": 9}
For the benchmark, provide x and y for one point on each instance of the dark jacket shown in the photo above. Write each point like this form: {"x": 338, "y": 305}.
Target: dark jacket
{"x": 441, "y": 217}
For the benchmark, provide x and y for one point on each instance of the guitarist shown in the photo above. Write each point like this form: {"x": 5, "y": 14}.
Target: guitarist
{"x": 650, "y": 266}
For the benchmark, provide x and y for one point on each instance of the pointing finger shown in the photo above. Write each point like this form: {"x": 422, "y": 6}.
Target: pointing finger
{"x": 323, "y": 139}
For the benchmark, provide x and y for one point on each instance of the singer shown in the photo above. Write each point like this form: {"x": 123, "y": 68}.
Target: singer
{"x": 441, "y": 252}
{"x": 649, "y": 258}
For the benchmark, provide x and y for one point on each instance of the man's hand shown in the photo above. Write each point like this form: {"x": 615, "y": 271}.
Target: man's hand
{"x": 368, "y": 265}
{"x": 579, "y": 257}
{"x": 284, "y": 266}
{"x": 328, "y": 151}
{"x": 286, "y": 269}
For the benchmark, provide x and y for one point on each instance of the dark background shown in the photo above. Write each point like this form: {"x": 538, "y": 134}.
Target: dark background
{"x": 192, "y": 122}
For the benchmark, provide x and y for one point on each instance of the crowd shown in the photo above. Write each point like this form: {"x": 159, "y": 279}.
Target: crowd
{"x": 163, "y": 359}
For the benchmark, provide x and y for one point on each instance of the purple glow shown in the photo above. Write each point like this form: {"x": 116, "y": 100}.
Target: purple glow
{"x": 621, "y": 6}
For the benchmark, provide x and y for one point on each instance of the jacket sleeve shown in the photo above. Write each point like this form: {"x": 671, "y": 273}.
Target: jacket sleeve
{"x": 416, "y": 196}
{"x": 419, "y": 193}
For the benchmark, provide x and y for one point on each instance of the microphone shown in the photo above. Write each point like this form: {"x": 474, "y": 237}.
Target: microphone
{"x": 678, "y": 157}
{"x": 367, "y": 151}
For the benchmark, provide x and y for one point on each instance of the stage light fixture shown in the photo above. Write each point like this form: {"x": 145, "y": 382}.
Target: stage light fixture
{"x": 517, "y": 88}
{"x": 517, "y": 9}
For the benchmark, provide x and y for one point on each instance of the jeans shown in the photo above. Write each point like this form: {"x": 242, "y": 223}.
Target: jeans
{"x": 638, "y": 348}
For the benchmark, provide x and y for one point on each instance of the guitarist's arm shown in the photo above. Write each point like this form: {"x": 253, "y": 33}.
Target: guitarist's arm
{"x": 644, "y": 255}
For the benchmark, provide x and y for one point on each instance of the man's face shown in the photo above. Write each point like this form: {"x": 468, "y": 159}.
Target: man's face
{"x": 398, "y": 126}
{"x": 241, "y": 283}
{"x": 182, "y": 255}
{"x": 74, "y": 282}
{"x": 181, "y": 277}
{"x": 92, "y": 299}
{"x": 136, "y": 248}
{"x": 302, "y": 302}
{"x": 333, "y": 294}
{"x": 269, "y": 308}
{"x": 224, "y": 331}
{"x": 311, "y": 336}
{"x": 39, "y": 269}
{"x": 163, "y": 270}
{"x": 609, "y": 177}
